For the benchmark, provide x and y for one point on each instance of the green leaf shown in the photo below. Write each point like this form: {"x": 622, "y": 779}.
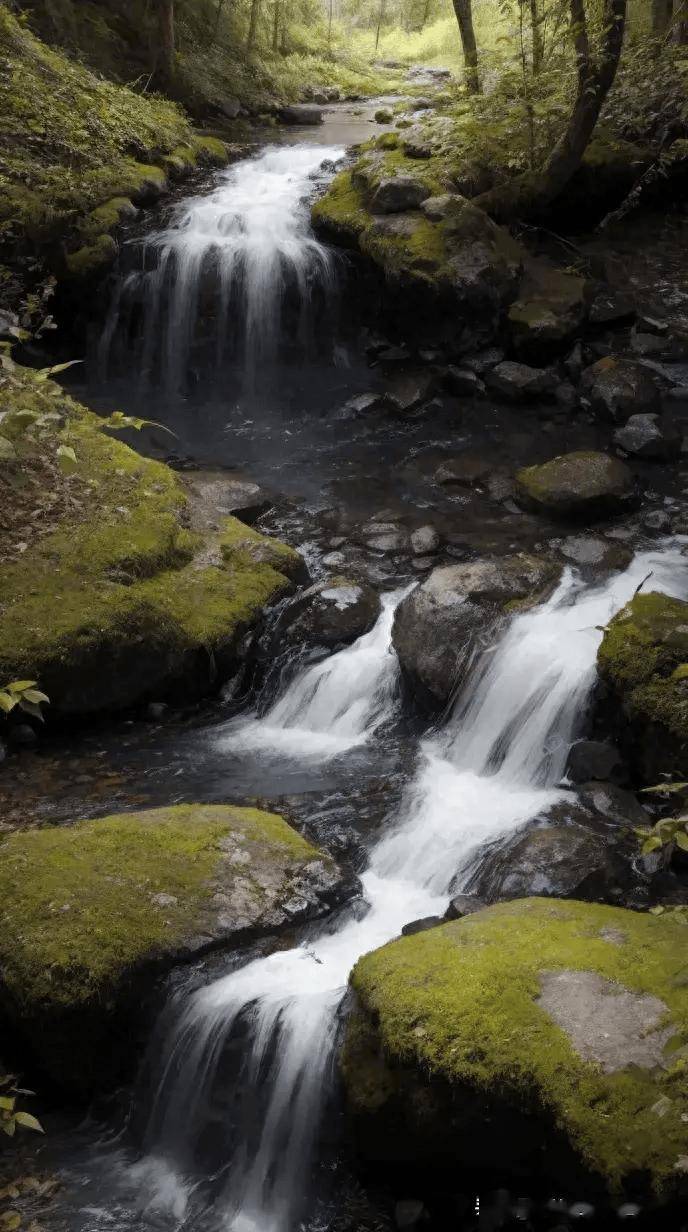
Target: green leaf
{"x": 7, "y": 702}
{"x": 27, "y": 1121}
{"x": 44, "y": 374}
{"x": 682, "y": 840}
{"x": 67, "y": 459}
{"x": 8, "y": 1127}
{"x": 35, "y": 695}
{"x": 20, "y": 686}
{"x": 664, "y": 789}
{"x": 652, "y": 844}
{"x": 7, "y": 1103}
{"x": 31, "y": 708}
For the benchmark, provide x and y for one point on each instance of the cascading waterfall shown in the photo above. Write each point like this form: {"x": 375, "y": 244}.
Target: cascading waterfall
{"x": 496, "y": 765}
{"x": 239, "y": 265}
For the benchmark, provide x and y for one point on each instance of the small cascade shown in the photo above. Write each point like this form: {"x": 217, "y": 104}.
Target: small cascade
{"x": 237, "y": 272}
{"x": 498, "y": 762}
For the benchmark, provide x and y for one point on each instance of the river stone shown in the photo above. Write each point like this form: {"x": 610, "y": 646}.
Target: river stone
{"x": 595, "y": 759}
{"x": 642, "y": 659}
{"x": 462, "y": 905}
{"x": 550, "y": 310}
{"x": 649, "y": 436}
{"x": 302, "y": 113}
{"x": 464, "y": 470}
{"x": 555, "y": 861}
{"x": 533, "y": 1030}
{"x": 408, "y": 390}
{"x": 520, "y": 383}
{"x": 616, "y": 805}
{"x": 331, "y": 613}
{"x": 463, "y": 381}
{"x": 440, "y": 625}
{"x": 593, "y": 551}
{"x": 612, "y": 308}
{"x": 619, "y": 388}
{"x": 425, "y": 540}
{"x": 96, "y": 912}
{"x": 397, "y": 193}
{"x": 580, "y": 486}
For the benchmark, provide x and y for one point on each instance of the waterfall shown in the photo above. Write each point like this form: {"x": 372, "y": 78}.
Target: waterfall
{"x": 237, "y": 267}
{"x": 496, "y": 764}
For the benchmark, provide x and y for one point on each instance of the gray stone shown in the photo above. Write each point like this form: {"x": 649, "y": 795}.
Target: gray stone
{"x": 519, "y": 382}
{"x": 595, "y": 759}
{"x": 302, "y": 113}
{"x": 649, "y": 436}
{"x": 612, "y": 308}
{"x": 362, "y": 404}
{"x": 397, "y": 193}
{"x": 230, "y": 107}
{"x": 409, "y": 390}
{"x": 614, "y": 804}
{"x": 569, "y": 861}
{"x": 463, "y": 381}
{"x": 590, "y": 550}
{"x": 440, "y": 626}
{"x": 605, "y": 1022}
{"x": 465, "y": 470}
{"x": 421, "y": 926}
{"x": 483, "y": 361}
{"x": 462, "y": 905}
{"x": 566, "y": 396}
{"x": 619, "y": 388}
{"x": 332, "y": 613}
{"x": 437, "y": 208}
{"x": 657, "y": 520}
{"x": 578, "y": 486}
{"x": 425, "y": 540}
{"x": 156, "y": 711}
{"x": 387, "y": 544}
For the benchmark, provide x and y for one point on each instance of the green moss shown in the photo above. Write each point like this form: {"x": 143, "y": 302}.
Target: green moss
{"x": 182, "y": 160}
{"x": 341, "y": 213}
{"x": 116, "y": 599}
{"x": 91, "y": 258}
{"x": 388, "y": 141}
{"x": 80, "y": 903}
{"x": 460, "y": 1003}
{"x": 210, "y": 150}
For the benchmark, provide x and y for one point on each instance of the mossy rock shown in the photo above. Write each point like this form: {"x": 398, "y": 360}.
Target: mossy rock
{"x": 550, "y": 310}
{"x": 643, "y": 657}
{"x": 580, "y": 486}
{"x": 92, "y": 260}
{"x": 121, "y": 602}
{"x": 538, "y": 1036}
{"x": 94, "y": 913}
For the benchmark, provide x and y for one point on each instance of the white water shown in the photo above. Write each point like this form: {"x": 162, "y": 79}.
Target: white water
{"x": 232, "y": 258}
{"x": 497, "y": 764}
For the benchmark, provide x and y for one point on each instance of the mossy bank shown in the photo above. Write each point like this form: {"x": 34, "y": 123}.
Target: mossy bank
{"x": 94, "y": 913}
{"x": 108, "y": 596}
{"x": 538, "y": 1034}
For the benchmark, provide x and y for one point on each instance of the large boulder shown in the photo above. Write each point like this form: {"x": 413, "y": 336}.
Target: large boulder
{"x": 643, "y": 659}
{"x": 398, "y": 193}
{"x": 302, "y": 114}
{"x": 330, "y": 614}
{"x": 116, "y": 595}
{"x": 533, "y": 1036}
{"x": 619, "y": 388}
{"x": 95, "y": 913}
{"x": 439, "y": 627}
{"x": 581, "y": 486}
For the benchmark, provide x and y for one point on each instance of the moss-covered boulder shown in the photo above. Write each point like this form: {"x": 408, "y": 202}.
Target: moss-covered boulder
{"x": 643, "y": 658}
{"x": 539, "y": 1036}
{"x": 108, "y": 595}
{"x": 549, "y": 311}
{"x": 580, "y": 486}
{"x": 95, "y": 913}
{"x": 457, "y": 610}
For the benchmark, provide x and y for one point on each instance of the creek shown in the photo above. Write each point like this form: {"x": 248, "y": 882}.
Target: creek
{"x": 227, "y": 326}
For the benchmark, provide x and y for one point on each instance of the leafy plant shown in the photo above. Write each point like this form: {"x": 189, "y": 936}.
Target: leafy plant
{"x": 25, "y": 695}
{"x": 118, "y": 421}
{"x": 664, "y": 833}
{"x": 12, "y": 1117}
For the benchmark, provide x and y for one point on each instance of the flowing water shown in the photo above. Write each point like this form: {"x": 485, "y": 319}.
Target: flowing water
{"x": 237, "y": 285}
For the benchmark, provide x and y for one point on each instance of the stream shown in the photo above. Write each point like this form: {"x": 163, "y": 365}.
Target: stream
{"x": 227, "y": 326}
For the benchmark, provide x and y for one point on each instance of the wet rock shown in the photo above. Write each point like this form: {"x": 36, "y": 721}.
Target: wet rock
{"x": 619, "y": 388}
{"x": 217, "y": 494}
{"x": 388, "y": 543}
{"x": 117, "y": 902}
{"x": 439, "y": 627}
{"x": 595, "y": 759}
{"x": 657, "y": 521}
{"x": 649, "y": 436}
{"x": 156, "y": 711}
{"x": 22, "y": 736}
{"x": 484, "y": 361}
{"x": 398, "y": 193}
{"x": 566, "y": 396}
{"x": 550, "y": 310}
{"x": 464, "y": 470}
{"x": 578, "y": 486}
{"x": 425, "y": 540}
{"x": 617, "y": 806}
{"x": 642, "y": 659}
{"x": 557, "y": 862}
{"x": 432, "y": 1048}
{"x": 520, "y": 383}
{"x": 423, "y": 563}
{"x": 9, "y": 326}
{"x": 589, "y": 551}
{"x": 415, "y": 147}
{"x": 363, "y": 404}
{"x": 462, "y": 905}
{"x": 463, "y": 381}
{"x": 612, "y": 308}
{"x": 332, "y": 613}
{"x": 574, "y": 363}
{"x": 302, "y": 113}
{"x": 421, "y": 926}
{"x": 409, "y": 390}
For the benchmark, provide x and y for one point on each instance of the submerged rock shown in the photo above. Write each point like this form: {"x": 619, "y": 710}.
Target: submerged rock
{"x": 532, "y": 1035}
{"x": 643, "y": 659}
{"x": 95, "y": 913}
{"x": 439, "y": 627}
{"x": 577, "y": 486}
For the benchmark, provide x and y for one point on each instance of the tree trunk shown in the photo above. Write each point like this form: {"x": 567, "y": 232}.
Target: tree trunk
{"x": 595, "y": 79}
{"x": 218, "y": 16}
{"x": 464, "y": 16}
{"x": 276, "y": 26}
{"x": 380, "y": 19}
{"x": 165, "y": 50}
{"x": 662, "y": 12}
{"x": 253, "y": 24}
{"x": 538, "y": 41}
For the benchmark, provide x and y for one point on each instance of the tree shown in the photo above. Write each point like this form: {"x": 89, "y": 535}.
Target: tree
{"x": 538, "y": 40}
{"x": 464, "y": 16}
{"x": 165, "y": 49}
{"x": 595, "y": 78}
{"x": 662, "y": 13}
{"x": 253, "y": 24}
